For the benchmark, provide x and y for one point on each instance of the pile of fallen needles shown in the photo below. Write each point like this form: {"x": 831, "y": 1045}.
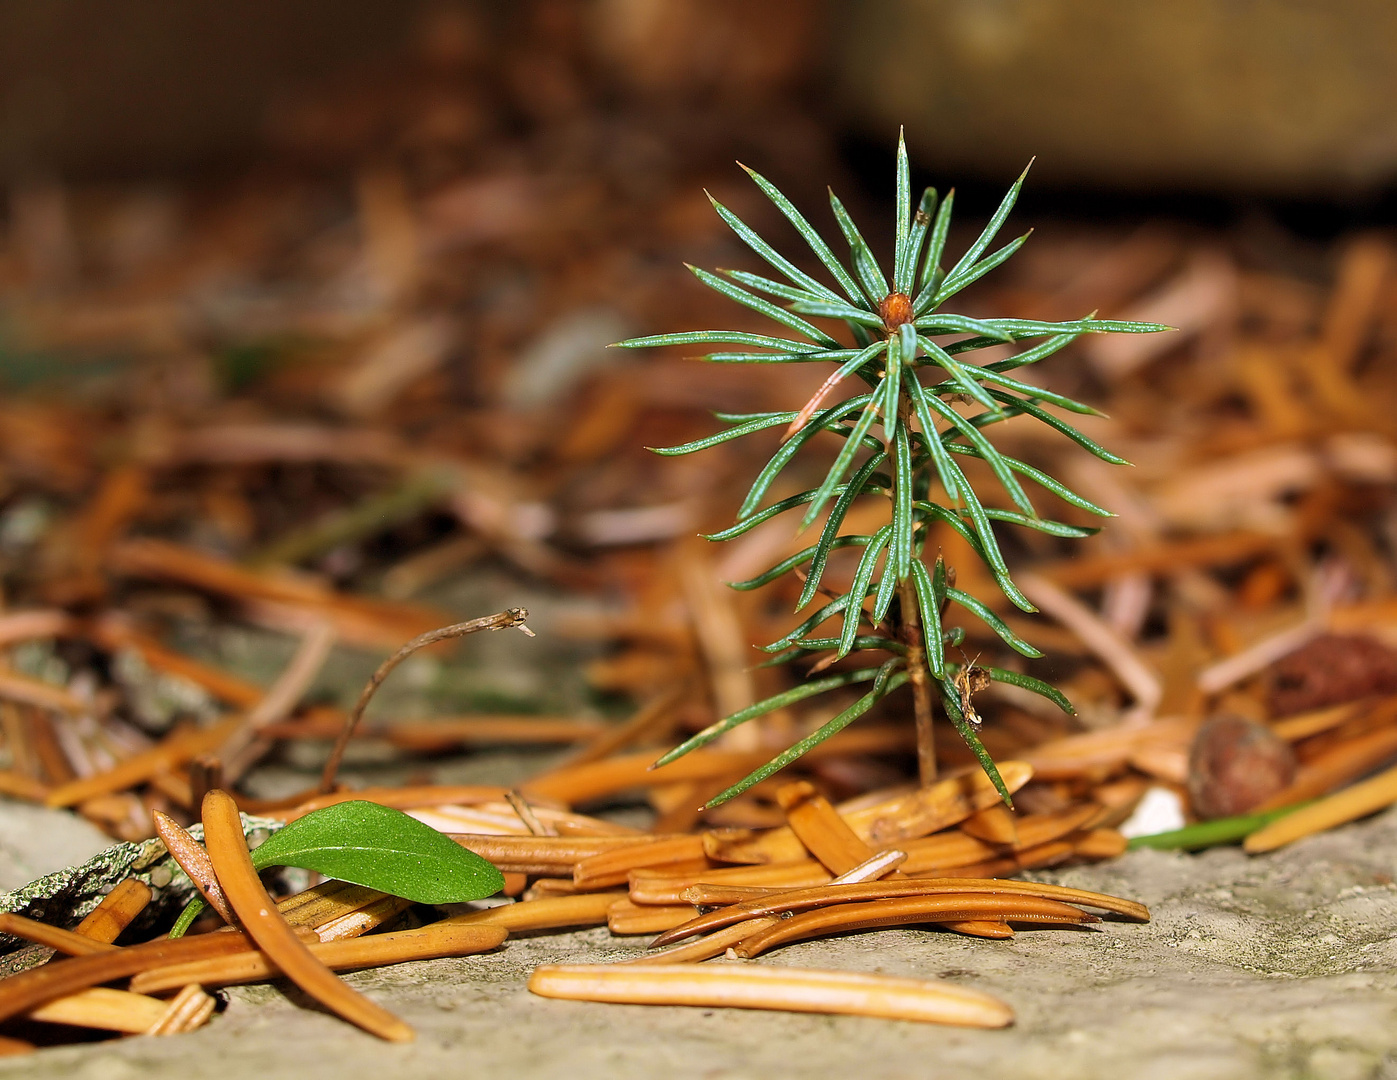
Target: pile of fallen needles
{"x": 818, "y": 875}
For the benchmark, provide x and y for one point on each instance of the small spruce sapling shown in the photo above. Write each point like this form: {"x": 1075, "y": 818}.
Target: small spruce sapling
{"x": 901, "y": 441}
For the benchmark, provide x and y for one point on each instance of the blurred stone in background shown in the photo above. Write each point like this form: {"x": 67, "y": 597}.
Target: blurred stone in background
{"x": 1274, "y": 96}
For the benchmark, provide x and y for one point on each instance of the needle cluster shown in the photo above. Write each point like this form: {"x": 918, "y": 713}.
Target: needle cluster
{"x": 902, "y": 440}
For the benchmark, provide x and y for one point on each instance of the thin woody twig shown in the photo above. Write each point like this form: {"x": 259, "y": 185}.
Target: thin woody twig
{"x": 512, "y": 618}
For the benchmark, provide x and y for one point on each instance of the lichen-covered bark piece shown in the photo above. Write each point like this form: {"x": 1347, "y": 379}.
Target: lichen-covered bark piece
{"x": 64, "y": 897}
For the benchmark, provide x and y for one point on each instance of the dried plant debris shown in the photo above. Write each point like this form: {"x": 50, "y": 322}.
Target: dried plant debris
{"x": 225, "y": 497}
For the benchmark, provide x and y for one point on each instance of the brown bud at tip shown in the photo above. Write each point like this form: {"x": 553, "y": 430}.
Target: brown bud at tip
{"x": 895, "y": 310}
{"x": 1235, "y": 765}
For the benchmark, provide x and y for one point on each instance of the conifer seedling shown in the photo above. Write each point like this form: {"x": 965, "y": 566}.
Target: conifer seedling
{"x": 902, "y": 440}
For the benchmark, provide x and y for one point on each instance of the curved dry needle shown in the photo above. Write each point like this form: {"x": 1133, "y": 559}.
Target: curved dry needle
{"x": 195, "y": 862}
{"x": 511, "y": 618}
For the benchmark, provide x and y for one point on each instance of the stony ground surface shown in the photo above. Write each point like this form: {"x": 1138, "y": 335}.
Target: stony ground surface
{"x": 1279, "y": 966}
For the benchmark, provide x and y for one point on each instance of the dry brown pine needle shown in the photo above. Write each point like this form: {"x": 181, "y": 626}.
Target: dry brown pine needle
{"x": 223, "y": 833}
{"x": 785, "y": 989}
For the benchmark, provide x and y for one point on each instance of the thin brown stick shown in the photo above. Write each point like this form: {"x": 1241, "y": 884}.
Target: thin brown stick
{"x": 223, "y": 833}
{"x": 513, "y": 618}
{"x": 280, "y": 700}
{"x": 194, "y": 861}
{"x": 526, "y": 814}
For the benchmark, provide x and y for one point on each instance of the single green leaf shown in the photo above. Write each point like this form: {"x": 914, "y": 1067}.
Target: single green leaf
{"x": 862, "y": 642}
{"x": 707, "y": 441}
{"x": 384, "y": 849}
{"x": 940, "y": 323}
{"x": 772, "y": 358}
{"x": 1035, "y": 328}
{"x": 774, "y": 288}
{"x": 887, "y": 589}
{"x": 842, "y": 461}
{"x": 747, "y": 524}
{"x": 824, "y": 310}
{"x": 903, "y": 523}
{"x": 1042, "y": 525}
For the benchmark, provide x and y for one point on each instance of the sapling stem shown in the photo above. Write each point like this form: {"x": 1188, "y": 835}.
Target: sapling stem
{"x": 910, "y": 631}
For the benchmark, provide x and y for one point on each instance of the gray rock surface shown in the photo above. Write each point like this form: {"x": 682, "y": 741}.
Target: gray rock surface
{"x": 35, "y": 841}
{"x": 1279, "y": 966}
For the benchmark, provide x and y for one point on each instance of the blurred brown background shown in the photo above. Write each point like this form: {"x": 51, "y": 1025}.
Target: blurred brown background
{"x": 303, "y": 308}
